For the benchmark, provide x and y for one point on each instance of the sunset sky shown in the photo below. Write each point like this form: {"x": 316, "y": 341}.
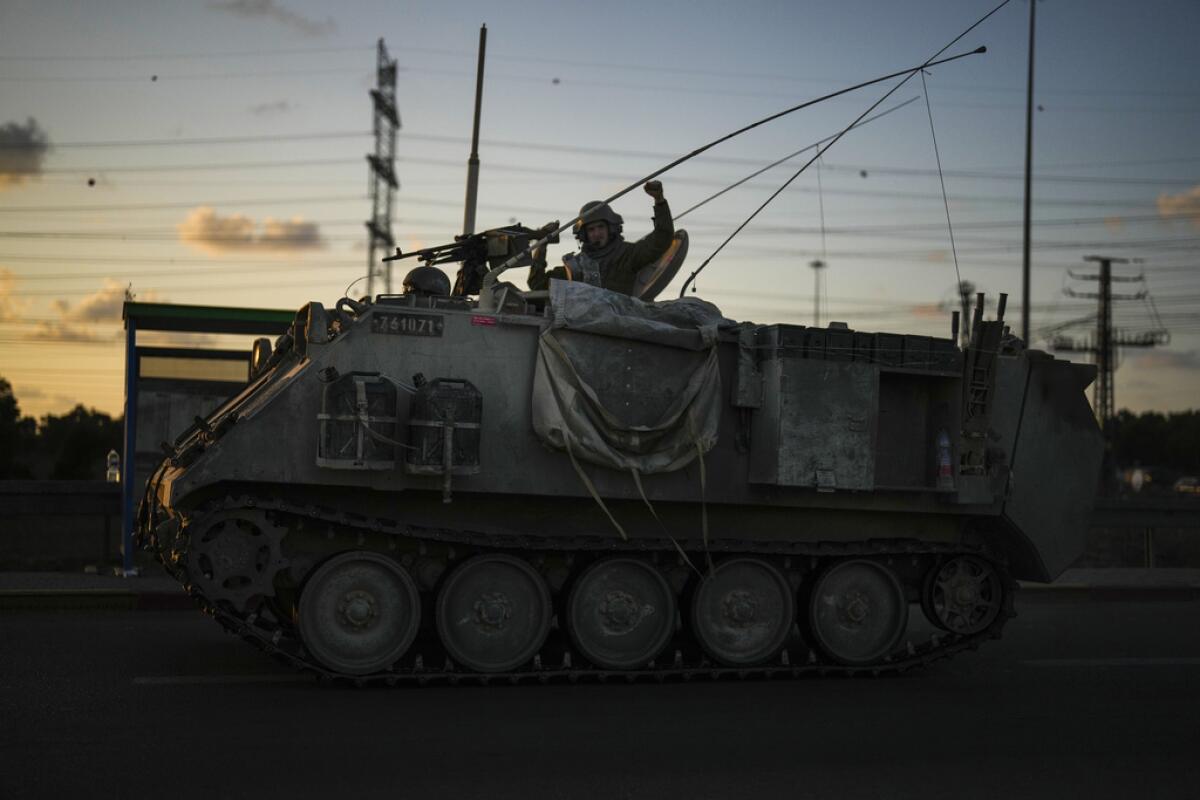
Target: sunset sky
{"x": 213, "y": 153}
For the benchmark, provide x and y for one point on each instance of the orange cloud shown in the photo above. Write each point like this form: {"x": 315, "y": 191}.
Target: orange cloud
{"x": 1186, "y": 205}
{"x": 206, "y": 230}
{"x": 101, "y": 306}
{"x": 11, "y": 308}
{"x": 929, "y": 310}
{"x": 77, "y": 322}
{"x": 60, "y": 331}
{"x": 1171, "y": 359}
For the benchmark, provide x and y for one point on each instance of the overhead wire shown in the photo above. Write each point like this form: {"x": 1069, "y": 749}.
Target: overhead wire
{"x": 917, "y": 256}
{"x": 257, "y": 201}
{"x": 781, "y": 229}
{"x": 538, "y": 147}
{"x": 640, "y": 68}
{"x": 166, "y": 77}
{"x": 820, "y": 151}
{"x": 193, "y": 141}
{"x": 777, "y": 162}
{"x": 423, "y": 69}
{"x": 222, "y": 166}
{"x": 184, "y": 56}
{"x": 346, "y": 161}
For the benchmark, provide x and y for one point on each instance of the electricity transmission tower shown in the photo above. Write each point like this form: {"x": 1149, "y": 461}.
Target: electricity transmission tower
{"x": 1107, "y": 339}
{"x": 382, "y": 170}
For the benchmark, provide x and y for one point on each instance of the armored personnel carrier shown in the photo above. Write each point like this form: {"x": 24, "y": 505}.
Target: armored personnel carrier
{"x": 575, "y": 483}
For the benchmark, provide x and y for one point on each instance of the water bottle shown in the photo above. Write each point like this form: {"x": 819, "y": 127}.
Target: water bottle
{"x": 945, "y": 473}
{"x": 112, "y": 465}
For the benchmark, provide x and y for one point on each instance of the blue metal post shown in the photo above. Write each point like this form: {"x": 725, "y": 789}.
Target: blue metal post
{"x": 129, "y": 456}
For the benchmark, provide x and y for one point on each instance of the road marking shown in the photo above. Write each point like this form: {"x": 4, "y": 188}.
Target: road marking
{"x": 202, "y": 680}
{"x": 1113, "y": 662}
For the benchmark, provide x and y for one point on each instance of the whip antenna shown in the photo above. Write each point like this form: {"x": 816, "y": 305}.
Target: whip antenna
{"x": 489, "y": 280}
{"x": 908, "y": 76}
{"x": 941, "y": 178}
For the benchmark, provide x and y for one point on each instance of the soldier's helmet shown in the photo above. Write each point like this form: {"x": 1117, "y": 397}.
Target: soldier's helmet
{"x": 426, "y": 282}
{"x": 596, "y": 211}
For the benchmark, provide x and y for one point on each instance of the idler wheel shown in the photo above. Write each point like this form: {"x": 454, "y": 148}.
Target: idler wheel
{"x": 742, "y": 612}
{"x": 493, "y": 613}
{"x": 359, "y": 613}
{"x": 962, "y": 595}
{"x": 857, "y": 612}
{"x": 621, "y": 613}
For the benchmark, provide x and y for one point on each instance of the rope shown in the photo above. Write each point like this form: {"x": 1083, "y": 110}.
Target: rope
{"x": 592, "y": 489}
{"x": 637, "y": 481}
{"x": 703, "y": 492}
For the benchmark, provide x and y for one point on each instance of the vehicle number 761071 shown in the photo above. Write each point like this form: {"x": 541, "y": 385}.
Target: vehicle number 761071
{"x": 407, "y": 324}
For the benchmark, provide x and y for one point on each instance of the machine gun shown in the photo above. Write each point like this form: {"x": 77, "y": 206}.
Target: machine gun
{"x": 480, "y": 252}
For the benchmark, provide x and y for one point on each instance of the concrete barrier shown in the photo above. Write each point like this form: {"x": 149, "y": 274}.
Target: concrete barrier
{"x": 1161, "y": 532}
{"x": 59, "y": 524}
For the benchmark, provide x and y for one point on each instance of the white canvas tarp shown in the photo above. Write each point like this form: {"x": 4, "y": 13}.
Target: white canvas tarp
{"x": 628, "y": 384}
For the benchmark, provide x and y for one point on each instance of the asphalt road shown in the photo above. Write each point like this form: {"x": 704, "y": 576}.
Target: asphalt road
{"x": 1080, "y": 699}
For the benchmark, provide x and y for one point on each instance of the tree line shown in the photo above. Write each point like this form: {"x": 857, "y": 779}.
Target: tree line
{"x": 72, "y": 446}
{"x": 1153, "y": 439}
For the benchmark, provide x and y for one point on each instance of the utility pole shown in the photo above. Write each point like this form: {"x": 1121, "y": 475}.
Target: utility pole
{"x": 1025, "y": 301}
{"x": 473, "y": 160}
{"x": 818, "y": 267}
{"x": 1104, "y": 353}
{"x": 1107, "y": 340}
{"x": 382, "y": 169}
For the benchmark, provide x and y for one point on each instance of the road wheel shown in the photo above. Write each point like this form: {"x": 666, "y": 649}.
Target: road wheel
{"x": 621, "y": 613}
{"x": 857, "y": 612}
{"x": 742, "y": 612}
{"x": 493, "y": 613}
{"x": 359, "y": 613}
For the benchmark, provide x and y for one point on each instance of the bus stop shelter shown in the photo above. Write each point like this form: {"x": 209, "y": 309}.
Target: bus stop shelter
{"x": 188, "y": 381}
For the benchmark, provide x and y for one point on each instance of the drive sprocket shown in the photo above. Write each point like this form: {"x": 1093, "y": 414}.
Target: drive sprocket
{"x": 234, "y": 556}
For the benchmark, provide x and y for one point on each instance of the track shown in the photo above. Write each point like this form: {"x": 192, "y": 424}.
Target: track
{"x": 268, "y": 622}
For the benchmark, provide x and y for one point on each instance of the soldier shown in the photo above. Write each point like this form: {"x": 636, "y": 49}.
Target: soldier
{"x": 426, "y": 282}
{"x": 605, "y": 258}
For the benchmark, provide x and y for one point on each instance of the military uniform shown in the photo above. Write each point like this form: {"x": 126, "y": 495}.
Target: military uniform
{"x": 614, "y": 266}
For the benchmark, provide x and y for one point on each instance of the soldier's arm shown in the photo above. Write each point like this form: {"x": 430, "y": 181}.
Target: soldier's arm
{"x": 651, "y": 246}
{"x": 538, "y": 279}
